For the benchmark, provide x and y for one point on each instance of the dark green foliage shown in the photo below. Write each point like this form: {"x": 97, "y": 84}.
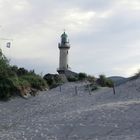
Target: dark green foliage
{"x": 104, "y": 82}
{"x": 91, "y": 79}
{"x": 72, "y": 79}
{"x": 50, "y": 79}
{"x": 14, "y": 69}
{"x": 136, "y": 75}
{"x": 6, "y": 84}
{"x": 4, "y": 65}
{"x": 109, "y": 83}
{"x": 35, "y": 81}
{"x": 94, "y": 87}
{"x": 20, "y": 82}
{"x": 6, "y": 88}
{"x": 82, "y": 76}
{"x": 14, "y": 79}
{"x": 50, "y": 82}
{"x": 57, "y": 78}
{"x": 53, "y": 80}
{"x": 22, "y": 71}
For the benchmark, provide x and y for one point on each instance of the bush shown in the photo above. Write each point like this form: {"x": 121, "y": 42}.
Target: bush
{"x": 72, "y": 79}
{"x": 13, "y": 79}
{"x": 6, "y": 88}
{"x": 4, "y": 65}
{"x": 35, "y": 81}
{"x": 57, "y": 78}
{"x": 20, "y": 82}
{"x": 53, "y": 80}
{"x": 104, "y": 82}
{"x": 91, "y": 79}
{"x": 93, "y": 87}
{"x": 136, "y": 75}
{"x": 109, "y": 83}
{"x": 82, "y": 76}
{"x": 49, "y": 79}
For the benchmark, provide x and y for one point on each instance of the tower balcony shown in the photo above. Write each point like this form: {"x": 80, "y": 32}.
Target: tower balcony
{"x": 65, "y": 46}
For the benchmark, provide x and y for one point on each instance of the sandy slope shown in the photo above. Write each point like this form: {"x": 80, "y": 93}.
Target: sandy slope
{"x": 64, "y": 115}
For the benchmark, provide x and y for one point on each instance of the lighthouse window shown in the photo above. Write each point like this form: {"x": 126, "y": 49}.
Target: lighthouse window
{"x": 67, "y": 52}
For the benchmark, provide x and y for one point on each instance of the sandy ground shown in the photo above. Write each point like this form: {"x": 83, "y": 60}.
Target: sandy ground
{"x": 65, "y": 115}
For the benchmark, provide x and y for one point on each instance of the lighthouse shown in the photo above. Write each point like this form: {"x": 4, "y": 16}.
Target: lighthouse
{"x": 64, "y": 69}
{"x": 64, "y": 47}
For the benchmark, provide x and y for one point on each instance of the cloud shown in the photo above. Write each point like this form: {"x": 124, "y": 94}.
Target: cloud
{"x": 134, "y": 5}
{"x": 104, "y": 33}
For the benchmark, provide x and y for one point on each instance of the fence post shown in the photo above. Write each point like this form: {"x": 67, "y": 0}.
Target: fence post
{"x": 89, "y": 89}
{"x": 114, "y": 89}
{"x": 76, "y": 91}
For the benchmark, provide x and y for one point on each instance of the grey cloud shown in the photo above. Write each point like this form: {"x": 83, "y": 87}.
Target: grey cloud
{"x": 104, "y": 43}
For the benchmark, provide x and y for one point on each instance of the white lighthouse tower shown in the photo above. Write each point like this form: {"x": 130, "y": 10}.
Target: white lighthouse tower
{"x": 63, "y": 69}
{"x": 64, "y": 47}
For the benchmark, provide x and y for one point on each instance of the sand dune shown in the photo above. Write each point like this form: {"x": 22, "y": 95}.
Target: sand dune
{"x": 65, "y": 115}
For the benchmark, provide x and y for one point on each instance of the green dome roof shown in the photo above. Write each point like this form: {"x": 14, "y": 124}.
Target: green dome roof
{"x": 64, "y": 35}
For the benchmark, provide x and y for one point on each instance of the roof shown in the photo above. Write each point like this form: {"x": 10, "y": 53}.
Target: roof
{"x": 64, "y": 35}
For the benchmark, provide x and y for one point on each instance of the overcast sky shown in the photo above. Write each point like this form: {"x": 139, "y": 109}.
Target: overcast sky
{"x": 104, "y": 34}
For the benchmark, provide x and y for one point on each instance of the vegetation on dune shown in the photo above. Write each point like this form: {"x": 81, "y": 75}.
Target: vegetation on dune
{"x": 104, "y": 82}
{"x": 16, "y": 81}
{"x": 19, "y": 81}
{"x": 96, "y": 83}
{"x": 6, "y": 88}
{"x": 136, "y": 75}
{"x": 72, "y": 79}
{"x": 53, "y": 80}
{"x": 34, "y": 81}
{"x": 82, "y": 76}
{"x": 91, "y": 79}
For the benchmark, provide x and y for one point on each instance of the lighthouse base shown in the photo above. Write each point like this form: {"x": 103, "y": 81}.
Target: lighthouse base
{"x": 67, "y": 74}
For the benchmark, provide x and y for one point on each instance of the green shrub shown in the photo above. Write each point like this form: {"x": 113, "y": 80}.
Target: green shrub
{"x": 57, "y": 78}
{"x": 53, "y": 80}
{"x": 109, "y": 83}
{"x": 92, "y": 87}
{"x": 91, "y": 79}
{"x": 22, "y": 71}
{"x": 82, "y": 76}
{"x": 35, "y": 81}
{"x": 4, "y": 65}
{"x": 104, "y": 82}
{"x": 136, "y": 75}
{"x": 14, "y": 79}
{"x": 6, "y": 88}
{"x": 72, "y": 79}
{"x": 20, "y": 82}
{"x": 49, "y": 78}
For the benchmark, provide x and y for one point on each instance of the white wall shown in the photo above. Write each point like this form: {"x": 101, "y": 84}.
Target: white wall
{"x": 63, "y": 60}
